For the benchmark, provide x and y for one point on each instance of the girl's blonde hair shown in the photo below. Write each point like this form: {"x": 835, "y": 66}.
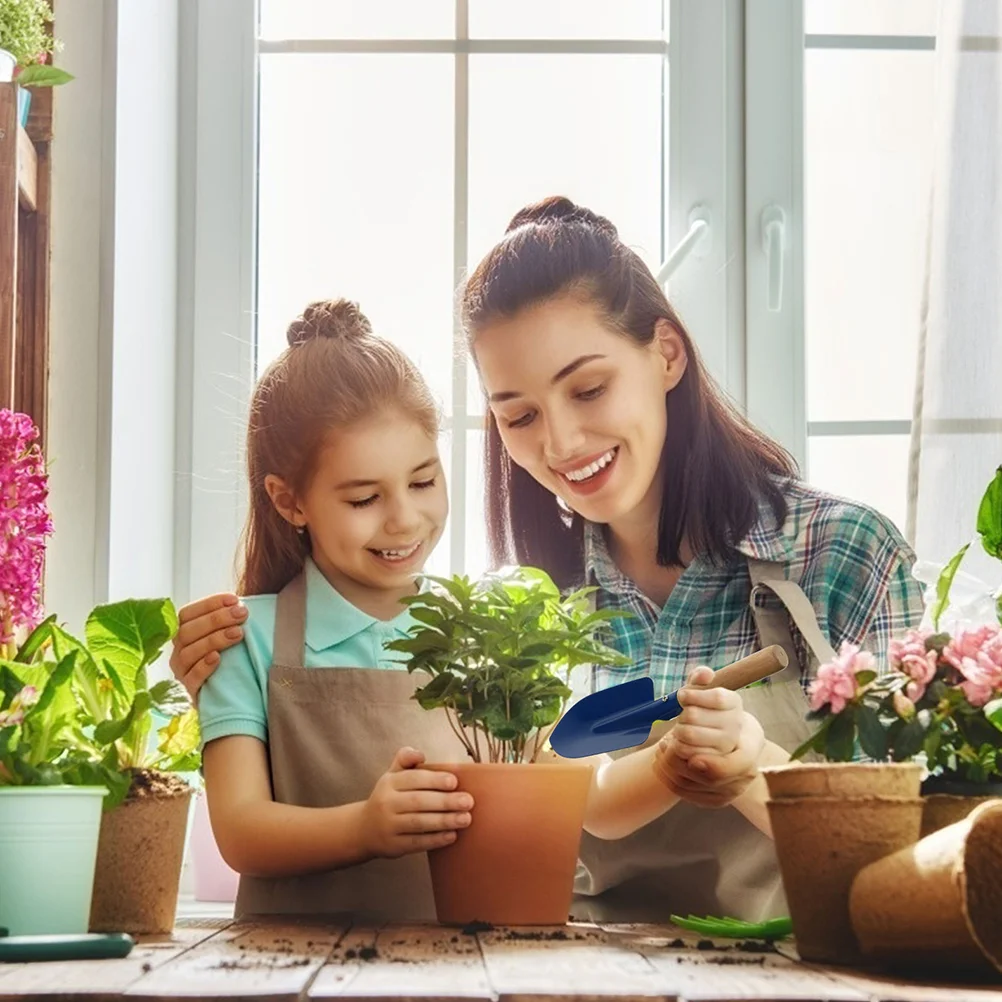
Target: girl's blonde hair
{"x": 334, "y": 373}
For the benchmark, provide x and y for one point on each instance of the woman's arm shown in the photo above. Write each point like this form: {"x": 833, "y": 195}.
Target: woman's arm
{"x": 409, "y": 810}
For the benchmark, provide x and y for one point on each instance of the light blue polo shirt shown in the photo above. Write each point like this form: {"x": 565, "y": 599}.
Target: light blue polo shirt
{"x": 234, "y": 699}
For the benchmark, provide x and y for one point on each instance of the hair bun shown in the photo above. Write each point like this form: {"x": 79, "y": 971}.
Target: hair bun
{"x": 559, "y": 209}
{"x": 333, "y": 318}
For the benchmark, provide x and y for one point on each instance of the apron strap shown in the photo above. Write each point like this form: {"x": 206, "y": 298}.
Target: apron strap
{"x": 774, "y": 624}
{"x": 290, "y": 624}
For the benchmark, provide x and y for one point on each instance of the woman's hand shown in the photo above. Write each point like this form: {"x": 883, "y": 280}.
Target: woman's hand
{"x": 711, "y": 755}
{"x": 207, "y": 627}
{"x": 412, "y": 809}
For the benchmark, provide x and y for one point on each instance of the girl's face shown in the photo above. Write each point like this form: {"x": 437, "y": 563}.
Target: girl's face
{"x": 581, "y": 407}
{"x": 376, "y": 506}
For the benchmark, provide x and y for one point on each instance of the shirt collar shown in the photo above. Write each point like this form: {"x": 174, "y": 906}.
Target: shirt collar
{"x": 765, "y": 541}
{"x": 331, "y": 619}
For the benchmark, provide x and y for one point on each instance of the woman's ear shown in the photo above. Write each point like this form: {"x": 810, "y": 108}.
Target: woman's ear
{"x": 284, "y": 499}
{"x": 673, "y": 357}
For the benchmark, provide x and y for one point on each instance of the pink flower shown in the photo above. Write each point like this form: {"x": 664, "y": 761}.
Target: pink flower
{"x": 910, "y": 656}
{"x": 977, "y": 655}
{"x": 14, "y": 714}
{"x": 25, "y": 523}
{"x": 835, "y": 683}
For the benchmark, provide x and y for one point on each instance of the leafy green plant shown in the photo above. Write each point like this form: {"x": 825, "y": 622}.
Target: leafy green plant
{"x": 88, "y": 714}
{"x": 24, "y": 29}
{"x": 500, "y": 652}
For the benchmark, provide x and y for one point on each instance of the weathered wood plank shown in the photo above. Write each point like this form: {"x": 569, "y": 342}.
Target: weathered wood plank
{"x": 404, "y": 963}
{"x": 98, "y": 980}
{"x": 578, "y": 962}
{"x": 883, "y": 988}
{"x": 248, "y": 960}
{"x": 701, "y": 970}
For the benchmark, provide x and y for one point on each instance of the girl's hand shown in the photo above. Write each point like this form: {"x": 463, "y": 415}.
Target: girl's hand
{"x": 711, "y": 755}
{"x": 412, "y": 809}
{"x": 206, "y": 627}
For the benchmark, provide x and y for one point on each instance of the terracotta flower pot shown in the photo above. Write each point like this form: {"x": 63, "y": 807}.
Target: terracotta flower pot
{"x": 843, "y": 779}
{"x": 139, "y": 857}
{"x": 516, "y": 862}
{"x": 948, "y": 802}
{"x": 822, "y": 843}
{"x": 937, "y": 904}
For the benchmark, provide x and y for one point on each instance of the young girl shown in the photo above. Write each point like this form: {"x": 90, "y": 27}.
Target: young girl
{"x": 312, "y": 798}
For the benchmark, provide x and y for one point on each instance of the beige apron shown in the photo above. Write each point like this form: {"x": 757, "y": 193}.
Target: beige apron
{"x": 332, "y": 732}
{"x": 706, "y": 861}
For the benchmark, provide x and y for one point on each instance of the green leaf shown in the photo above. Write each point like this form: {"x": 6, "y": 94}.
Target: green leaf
{"x": 909, "y": 740}
{"x": 179, "y": 740}
{"x": 109, "y": 731}
{"x": 170, "y": 697}
{"x": 840, "y": 742}
{"x": 943, "y": 585}
{"x": 989, "y": 524}
{"x": 130, "y": 635}
{"x": 993, "y": 711}
{"x": 872, "y": 737}
{"x": 35, "y": 641}
{"x": 43, "y": 76}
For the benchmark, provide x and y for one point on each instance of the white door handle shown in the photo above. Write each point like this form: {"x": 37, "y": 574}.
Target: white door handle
{"x": 773, "y": 244}
{"x": 699, "y": 232}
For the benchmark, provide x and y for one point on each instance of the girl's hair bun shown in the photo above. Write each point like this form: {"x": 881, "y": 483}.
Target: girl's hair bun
{"x": 333, "y": 318}
{"x": 559, "y": 209}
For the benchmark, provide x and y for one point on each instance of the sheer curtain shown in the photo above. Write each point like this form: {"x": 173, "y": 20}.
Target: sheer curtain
{"x": 957, "y": 432}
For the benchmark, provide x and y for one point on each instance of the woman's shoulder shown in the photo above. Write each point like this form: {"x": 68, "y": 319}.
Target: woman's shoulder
{"x": 818, "y": 521}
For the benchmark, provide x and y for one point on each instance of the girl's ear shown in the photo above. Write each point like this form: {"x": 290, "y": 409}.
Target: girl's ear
{"x": 284, "y": 499}
{"x": 671, "y": 351}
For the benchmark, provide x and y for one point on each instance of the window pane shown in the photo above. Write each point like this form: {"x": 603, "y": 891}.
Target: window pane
{"x": 868, "y": 170}
{"x": 567, "y": 18}
{"x": 476, "y": 523}
{"x": 868, "y": 468}
{"x": 586, "y": 126}
{"x": 282, "y": 19}
{"x": 871, "y": 17}
{"x": 357, "y": 201}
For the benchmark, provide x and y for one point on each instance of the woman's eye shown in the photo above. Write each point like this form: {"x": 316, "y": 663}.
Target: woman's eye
{"x": 364, "y": 502}
{"x": 423, "y": 485}
{"x": 595, "y": 391}
{"x": 521, "y": 422}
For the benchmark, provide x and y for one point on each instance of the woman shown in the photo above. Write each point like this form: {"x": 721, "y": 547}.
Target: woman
{"x": 612, "y": 457}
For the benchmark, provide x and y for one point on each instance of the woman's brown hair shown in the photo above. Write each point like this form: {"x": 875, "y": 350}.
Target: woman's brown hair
{"x": 334, "y": 373}
{"x": 717, "y": 467}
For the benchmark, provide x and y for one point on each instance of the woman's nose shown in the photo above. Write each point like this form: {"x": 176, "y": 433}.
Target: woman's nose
{"x": 563, "y": 439}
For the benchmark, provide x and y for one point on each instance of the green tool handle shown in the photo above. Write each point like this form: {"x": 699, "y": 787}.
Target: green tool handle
{"x": 86, "y": 946}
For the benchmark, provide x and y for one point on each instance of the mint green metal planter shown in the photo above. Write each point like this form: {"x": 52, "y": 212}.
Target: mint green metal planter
{"x": 48, "y": 848}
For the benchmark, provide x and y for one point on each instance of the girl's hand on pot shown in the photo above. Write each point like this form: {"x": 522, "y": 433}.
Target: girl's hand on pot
{"x": 206, "y": 627}
{"x": 412, "y": 809}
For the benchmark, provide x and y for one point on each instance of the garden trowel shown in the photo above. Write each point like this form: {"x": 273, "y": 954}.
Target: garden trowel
{"x": 621, "y": 716}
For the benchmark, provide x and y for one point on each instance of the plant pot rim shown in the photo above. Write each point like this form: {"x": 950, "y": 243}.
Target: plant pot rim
{"x": 831, "y": 766}
{"x": 857, "y": 801}
{"x": 496, "y": 766}
{"x": 62, "y": 788}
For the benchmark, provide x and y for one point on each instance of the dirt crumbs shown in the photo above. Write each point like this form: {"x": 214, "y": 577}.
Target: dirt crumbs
{"x": 150, "y": 785}
{"x": 472, "y": 928}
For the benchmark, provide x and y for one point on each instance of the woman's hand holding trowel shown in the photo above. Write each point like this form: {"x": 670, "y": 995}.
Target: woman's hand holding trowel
{"x": 711, "y": 755}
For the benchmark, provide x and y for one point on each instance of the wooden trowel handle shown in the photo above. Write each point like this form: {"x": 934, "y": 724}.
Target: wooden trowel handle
{"x": 753, "y": 668}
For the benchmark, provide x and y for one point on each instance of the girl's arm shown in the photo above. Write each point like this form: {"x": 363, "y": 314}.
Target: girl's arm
{"x": 409, "y": 810}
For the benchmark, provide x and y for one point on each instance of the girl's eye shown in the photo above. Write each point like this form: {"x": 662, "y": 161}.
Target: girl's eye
{"x": 521, "y": 422}
{"x": 364, "y": 502}
{"x": 595, "y": 391}
{"x": 423, "y": 485}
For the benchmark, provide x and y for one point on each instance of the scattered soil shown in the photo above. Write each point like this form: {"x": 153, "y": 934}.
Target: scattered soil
{"x": 472, "y": 928}
{"x": 147, "y": 967}
{"x": 150, "y": 785}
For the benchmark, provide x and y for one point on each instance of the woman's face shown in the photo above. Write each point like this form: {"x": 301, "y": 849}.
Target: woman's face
{"x": 581, "y": 407}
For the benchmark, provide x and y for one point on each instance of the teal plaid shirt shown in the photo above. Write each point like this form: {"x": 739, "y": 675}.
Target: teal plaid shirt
{"x": 851, "y": 561}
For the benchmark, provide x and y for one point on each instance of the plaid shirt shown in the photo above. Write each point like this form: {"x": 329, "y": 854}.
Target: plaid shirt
{"x": 851, "y": 561}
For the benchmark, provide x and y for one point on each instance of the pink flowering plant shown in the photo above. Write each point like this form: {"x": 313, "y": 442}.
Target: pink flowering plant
{"x": 72, "y": 711}
{"x": 941, "y": 694}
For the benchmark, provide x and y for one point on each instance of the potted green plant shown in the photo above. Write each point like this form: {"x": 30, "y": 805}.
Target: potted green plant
{"x": 498, "y": 654}
{"x": 145, "y": 820}
{"x": 26, "y": 45}
{"x": 50, "y": 790}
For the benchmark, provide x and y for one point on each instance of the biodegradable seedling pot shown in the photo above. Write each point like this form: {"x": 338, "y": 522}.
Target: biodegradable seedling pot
{"x": 936, "y": 904}
{"x": 843, "y": 779}
{"x": 947, "y": 802}
{"x": 139, "y": 857}
{"x": 822, "y": 843}
{"x": 515, "y": 863}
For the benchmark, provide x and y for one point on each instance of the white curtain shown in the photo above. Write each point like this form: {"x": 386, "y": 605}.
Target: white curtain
{"x": 957, "y": 433}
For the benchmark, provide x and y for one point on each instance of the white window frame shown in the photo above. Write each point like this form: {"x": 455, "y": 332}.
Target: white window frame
{"x": 707, "y": 183}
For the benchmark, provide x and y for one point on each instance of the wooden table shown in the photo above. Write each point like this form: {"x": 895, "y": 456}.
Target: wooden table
{"x": 309, "y": 959}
